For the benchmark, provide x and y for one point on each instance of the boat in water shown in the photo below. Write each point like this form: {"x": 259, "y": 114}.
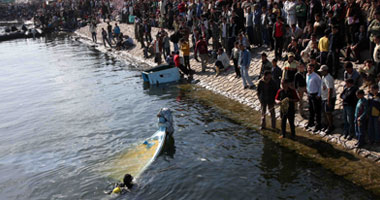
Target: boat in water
{"x": 138, "y": 158}
{"x": 161, "y": 74}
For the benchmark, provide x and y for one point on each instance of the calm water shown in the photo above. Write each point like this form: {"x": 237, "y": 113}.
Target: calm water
{"x": 67, "y": 111}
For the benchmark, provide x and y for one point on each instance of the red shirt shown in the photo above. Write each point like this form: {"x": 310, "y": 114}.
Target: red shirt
{"x": 177, "y": 60}
{"x": 278, "y": 31}
{"x": 201, "y": 47}
{"x": 182, "y": 7}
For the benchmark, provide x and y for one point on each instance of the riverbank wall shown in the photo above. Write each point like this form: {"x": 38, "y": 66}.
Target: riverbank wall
{"x": 359, "y": 165}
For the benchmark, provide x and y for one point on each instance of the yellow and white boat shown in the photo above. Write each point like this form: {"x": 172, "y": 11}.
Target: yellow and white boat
{"x": 137, "y": 159}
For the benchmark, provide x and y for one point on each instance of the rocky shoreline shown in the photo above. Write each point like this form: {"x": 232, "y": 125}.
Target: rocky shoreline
{"x": 228, "y": 86}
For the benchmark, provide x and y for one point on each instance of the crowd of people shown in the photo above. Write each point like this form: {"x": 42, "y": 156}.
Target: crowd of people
{"x": 314, "y": 42}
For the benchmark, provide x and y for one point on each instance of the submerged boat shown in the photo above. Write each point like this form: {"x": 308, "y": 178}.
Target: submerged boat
{"x": 161, "y": 74}
{"x": 139, "y": 157}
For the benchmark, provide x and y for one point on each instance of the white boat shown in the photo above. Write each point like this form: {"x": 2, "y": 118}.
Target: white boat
{"x": 161, "y": 74}
{"x": 138, "y": 158}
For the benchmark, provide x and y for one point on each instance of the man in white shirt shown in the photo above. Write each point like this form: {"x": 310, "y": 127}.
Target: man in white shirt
{"x": 222, "y": 61}
{"x": 313, "y": 86}
{"x": 328, "y": 95}
{"x": 290, "y": 9}
{"x": 376, "y": 51}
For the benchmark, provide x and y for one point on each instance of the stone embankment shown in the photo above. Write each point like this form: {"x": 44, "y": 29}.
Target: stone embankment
{"x": 227, "y": 85}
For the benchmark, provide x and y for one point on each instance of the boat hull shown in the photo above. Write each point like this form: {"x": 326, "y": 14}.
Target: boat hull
{"x": 161, "y": 74}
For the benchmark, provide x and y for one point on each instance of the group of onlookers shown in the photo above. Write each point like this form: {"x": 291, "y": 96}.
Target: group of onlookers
{"x": 321, "y": 39}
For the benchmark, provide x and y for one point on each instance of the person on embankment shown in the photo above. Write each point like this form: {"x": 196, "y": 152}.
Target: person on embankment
{"x": 287, "y": 97}
{"x": 266, "y": 91}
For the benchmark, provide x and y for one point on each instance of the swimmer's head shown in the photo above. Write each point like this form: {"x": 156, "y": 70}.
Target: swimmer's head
{"x": 127, "y": 180}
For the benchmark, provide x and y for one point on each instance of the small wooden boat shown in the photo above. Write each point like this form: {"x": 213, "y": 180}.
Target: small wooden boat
{"x": 161, "y": 74}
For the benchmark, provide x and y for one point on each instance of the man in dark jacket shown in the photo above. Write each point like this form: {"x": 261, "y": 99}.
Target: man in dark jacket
{"x": 266, "y": 91}
{"x": 349, "y": 103}
{"x": 335, "y": 44}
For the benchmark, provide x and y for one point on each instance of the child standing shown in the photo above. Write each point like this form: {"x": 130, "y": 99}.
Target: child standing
{"x": 361, "y": 118}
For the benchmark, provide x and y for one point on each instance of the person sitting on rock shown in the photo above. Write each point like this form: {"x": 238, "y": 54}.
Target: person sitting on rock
{"x": 128, "y": 42}
{"x": 222, "y": 61}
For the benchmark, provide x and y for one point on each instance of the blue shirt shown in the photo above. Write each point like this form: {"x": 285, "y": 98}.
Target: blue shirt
{"x": 116, "y": 30}
{"x": 244, "y": 58}
{"x": 313, "y": 83}
{"x": 361, "y": 109}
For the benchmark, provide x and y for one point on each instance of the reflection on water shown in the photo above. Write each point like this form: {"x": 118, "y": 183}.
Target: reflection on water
{"x": 68, "y": 110}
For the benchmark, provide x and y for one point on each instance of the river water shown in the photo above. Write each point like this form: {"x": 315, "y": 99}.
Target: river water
{"x": 68, "y": 111}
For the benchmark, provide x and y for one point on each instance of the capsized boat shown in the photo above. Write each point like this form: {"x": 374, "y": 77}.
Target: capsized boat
{"x": 161, "y": 74}
{"x": 140, "y": 156}
{"x": 137, "y": 159}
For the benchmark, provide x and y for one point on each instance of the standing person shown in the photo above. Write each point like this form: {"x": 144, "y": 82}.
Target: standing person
{"x": 264, "y": 26}
{"x": 361, "y": 118}
{"x": 166, "y": 44}
{"x": 157, "y": 45}
{"x": 374, "y": 114}
{"x": 323, "y": 46}
{"x": 376, "y": 51}
{"x": 373, "y": 31}
{"x": 301, "y": 13}
{"x": 313, "y": 87}
{"x": 249, "y": 24}
{"x": 105, "y": 38}
{"x": 147, "y": 31}
{"x": 244, "y": 62}
{"x": 177, "y": 63}
{"x": 224, "y": 30}
{"x": 278, "y": 34}
{"x": 116, "y": 30}
{"x": 257, "y": 39}
{"x": 175, "y": 37}
{"x": 287, "y": 97}
{"x": 350, "y": 72}
{"x": 349, "y": 102}
{"x": 266, "y": 91}
{"x": 185, "y": 48}
{"x": 276, "y": 73}
{"x": 110, "y": 34}
{"x": 335, "y": 44}
{"x": 235, "y": 59}
{"x": 300, "y": 86}
{"x": 290, "y": 9}
{"x": 93, "y": 32}
{"x": 328, "y": 95}
{"x": 201, "y": 47}
{"x": 290, "y": 69}
{"x": 266, "y": 65}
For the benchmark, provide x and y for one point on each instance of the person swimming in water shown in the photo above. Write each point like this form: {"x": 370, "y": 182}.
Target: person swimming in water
{"x": 124, "y": 187}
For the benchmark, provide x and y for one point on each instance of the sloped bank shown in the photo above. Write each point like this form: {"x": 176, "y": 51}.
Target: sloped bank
{"x": 360, "y": 166}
